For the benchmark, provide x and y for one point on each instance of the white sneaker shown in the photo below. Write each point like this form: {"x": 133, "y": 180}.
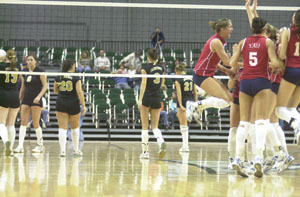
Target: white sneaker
{"x": 279, "y": 165}
{"x": 190, "y": 108}
{"x": 38, "y": 149}
{"x": 237, "y": 165}
{"x": 289, "y": 162}
{"x": 19, "y": 149}
{"x": 258, "y": 167}
{"x": 7, "y": 149}
{"x": 162, "y": 150}
{"x": 62, "y": 153}
{"x": 144, "y": 155}
{"x": 77, "y": 153}
{"x": 184, "y": 149}
{"x": 269, "y": 163}
{"x": 230, "y": 167}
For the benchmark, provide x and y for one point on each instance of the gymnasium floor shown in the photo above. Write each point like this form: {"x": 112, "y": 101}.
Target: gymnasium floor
{"x": 114, "y": 169}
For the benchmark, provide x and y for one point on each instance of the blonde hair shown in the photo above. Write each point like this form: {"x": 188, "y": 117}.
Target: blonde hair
{"x": 219, "y": 24}
{"x": 180, "y": 67}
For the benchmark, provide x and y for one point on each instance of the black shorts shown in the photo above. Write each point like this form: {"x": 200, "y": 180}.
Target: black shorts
{"x": 275, "y": 87}
{"x": 29, "y": 102}
{"x": 152, "y": 102}
{"x": 69, "y": 106}
{"x": 292, "y": 75}
{"x": 252, "y": 86}
{"x": 198, "y": 80}
{"x": 10, "y": 99}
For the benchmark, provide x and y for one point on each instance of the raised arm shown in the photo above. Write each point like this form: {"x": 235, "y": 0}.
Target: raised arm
{"x": 249, "y": 12}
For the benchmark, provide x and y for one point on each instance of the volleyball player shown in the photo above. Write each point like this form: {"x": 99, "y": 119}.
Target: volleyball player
{"x": 186, "y": 91}
{"x": 234, "y": 83}
{"x": 289, "y": 91}
{"x": 32, "y": 90}
{"x": 70, "y": 96}
{"x": 150, "y": 102}
{"x": 276, "y": 135}
{"x": 206, "y": 66}
{"x": 256, "y": 51}
{"x": 9, "y": 101}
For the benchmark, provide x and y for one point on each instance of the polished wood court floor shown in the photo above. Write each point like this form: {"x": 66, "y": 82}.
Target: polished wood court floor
{"x": 114, "y": 169}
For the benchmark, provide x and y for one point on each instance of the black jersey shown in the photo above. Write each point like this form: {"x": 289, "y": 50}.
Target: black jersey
{"x": 153, "y": 84}
{"x": 8, "y": 81}
{"x": 187, "y": 89}
{"x": 67, "y": 86}
{"x": 33, "y": 84}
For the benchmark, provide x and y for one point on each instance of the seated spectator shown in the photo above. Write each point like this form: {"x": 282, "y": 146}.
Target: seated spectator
{"x": 84, "y": 63}
{"x": 131, "y": 71}
{"x": 164, "y": 116}
{"x": 121, "y": 82}
{"x": 102, "y": 63}
{"x": 137, "y": 80}
{"x": 132, "y": 59}
{"x": 172, "y": 109}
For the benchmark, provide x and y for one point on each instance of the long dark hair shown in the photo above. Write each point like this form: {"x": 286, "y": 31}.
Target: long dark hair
{"x": 67, "y": 65}
{"x": 258, "y": 25}
{"x": 297, "y": 21}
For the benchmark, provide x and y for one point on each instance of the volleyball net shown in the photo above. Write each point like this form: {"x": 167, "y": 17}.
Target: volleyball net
{"x": 56, "y": 30}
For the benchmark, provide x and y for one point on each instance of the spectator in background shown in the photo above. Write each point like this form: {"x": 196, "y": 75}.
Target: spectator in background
{"x": 134, "y": 58}
{"x": 121, "y": 82}
{"x": 102, "y": 63}
{"x": 131, "y": 71}
{"x": 137, "y": 80}
{"x": 23, "y": 65}
{"x": 164, "y": 116}
{"x": 172, "y": 109}
{"x": 157, "y": 39}
{"x": 84, "y": 63}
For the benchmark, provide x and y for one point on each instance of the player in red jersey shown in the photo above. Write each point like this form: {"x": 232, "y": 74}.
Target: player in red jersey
{"x": 275, "y": 136}
{"x": 289, "y": 91}
{"x": 206, "y": 66}
{"x": 256, "y": 51}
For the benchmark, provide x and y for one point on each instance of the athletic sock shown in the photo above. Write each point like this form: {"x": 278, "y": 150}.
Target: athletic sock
{"x": 145, "y": 139}
{"x": 75, "y": 138}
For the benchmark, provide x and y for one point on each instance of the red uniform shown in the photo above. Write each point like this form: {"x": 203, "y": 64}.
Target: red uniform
{"x": 208, "y": 60}
{"x": 256, "y": 58}
{"x": 293, "y": 49}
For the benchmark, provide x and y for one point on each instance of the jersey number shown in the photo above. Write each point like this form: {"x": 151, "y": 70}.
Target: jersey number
{"x": 253, "y": 58}
{"x": 188, "y": 86}
{"x": 157, "y": 79}
{"x": 12, "y": 79}
{"x": 297, "y": 44}
{"x": 66, "y": 86}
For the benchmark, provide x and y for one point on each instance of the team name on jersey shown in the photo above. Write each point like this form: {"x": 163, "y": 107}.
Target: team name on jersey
{"x": 68, "y": 77}
{"x": 254, "y": 45}
{"x": 9, "y": 69}
{"x": 155, "y": 68}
